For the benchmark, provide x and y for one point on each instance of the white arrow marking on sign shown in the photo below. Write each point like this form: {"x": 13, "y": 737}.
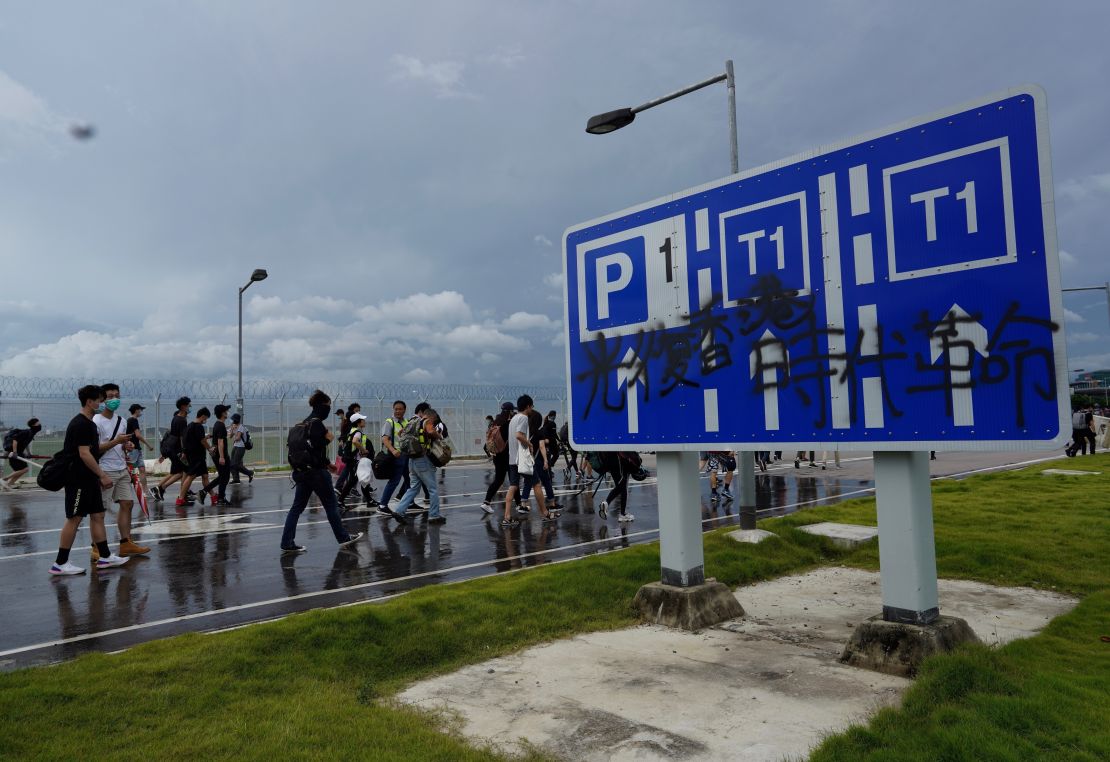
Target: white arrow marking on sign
{"x": 959, "y": 357}
{"x": 773, "y": 357}
{"x": 628, "y": 376}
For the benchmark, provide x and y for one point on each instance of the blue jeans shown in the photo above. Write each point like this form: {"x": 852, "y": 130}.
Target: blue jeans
{"x": 545, "y": 476}
{"x": 400, "y": 473}
{"x": 425, "y": 474}
{"x": 316, "y": 480}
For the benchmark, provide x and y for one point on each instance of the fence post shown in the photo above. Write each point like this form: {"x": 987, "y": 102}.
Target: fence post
{"x": 465, "y": 439}
{"x": 281, "y": 422}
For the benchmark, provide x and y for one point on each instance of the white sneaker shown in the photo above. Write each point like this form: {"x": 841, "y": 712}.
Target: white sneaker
{"x": 111, "y": 561}
{"x": 66, "y": 569}
{"x": 354, "y": 538}
{"x": 487, "y": 507}
{"x": 601, "y": 509}
{"x": 626, "y": 517}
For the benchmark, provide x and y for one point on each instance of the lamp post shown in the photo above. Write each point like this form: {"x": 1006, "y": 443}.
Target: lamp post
{"x": 680, "y": 539}
{"x": 257, "y": 275}
{"x": 602, "y": 124}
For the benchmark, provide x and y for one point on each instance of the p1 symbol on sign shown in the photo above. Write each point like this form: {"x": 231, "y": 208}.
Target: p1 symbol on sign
{"x": 629, "y": 281}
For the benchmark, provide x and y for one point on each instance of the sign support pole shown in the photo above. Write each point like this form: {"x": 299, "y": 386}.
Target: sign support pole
{"x": 907, "y": 555}
{"x": 681, "y": 556}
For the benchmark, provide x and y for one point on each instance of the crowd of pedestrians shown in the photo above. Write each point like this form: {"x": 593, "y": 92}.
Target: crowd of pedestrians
{"x": 103, "y": 456}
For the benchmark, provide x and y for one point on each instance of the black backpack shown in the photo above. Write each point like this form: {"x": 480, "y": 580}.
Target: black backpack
{"x": 299, "y": 446}
{"x": 55, "y": 472}
{"x": 9, "y": 439}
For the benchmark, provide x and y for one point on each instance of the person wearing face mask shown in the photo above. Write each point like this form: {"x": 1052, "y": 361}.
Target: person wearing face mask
{"x": 115, "y": 446}
{"x": 18, "y": 442}
{"x": 314, "y": 476}
{"x": 135, "y": 429}
{"x": 171, "y": 447}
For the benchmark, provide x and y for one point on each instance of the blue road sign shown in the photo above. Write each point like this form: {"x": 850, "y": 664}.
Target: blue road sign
{"x": 897, "y": 291}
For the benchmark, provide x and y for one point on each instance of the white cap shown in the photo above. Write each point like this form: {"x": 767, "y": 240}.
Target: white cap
{"x": 356, "y": 417}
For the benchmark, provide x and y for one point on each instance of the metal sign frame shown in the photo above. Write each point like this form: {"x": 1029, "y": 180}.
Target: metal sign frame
{"x": 675, "y": 221}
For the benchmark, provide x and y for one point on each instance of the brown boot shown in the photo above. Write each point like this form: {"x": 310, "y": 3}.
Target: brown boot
{"x": 130, "y": 548}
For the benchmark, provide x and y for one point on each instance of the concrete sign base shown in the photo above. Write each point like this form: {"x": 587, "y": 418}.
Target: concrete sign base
{"x": 687, "y": 608}
{"x": 895, "y": 648}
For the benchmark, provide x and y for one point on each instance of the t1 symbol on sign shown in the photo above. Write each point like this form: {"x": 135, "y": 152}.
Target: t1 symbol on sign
{"x": 768, "y": 238}
{"x": 950, "y": 212}
{"x": 633, "y": 280}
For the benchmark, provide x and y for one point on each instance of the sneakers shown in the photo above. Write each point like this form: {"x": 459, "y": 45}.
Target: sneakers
{"x": 601, "y": 510}
{"x": 297, "y": 548}
{"x": 624, "y": 517}
{"x": 713, "y": 495}
{"x": 66, "y": 570}
{"x": 110, "y": 562}
{"x": 487, "y": 507}
{"x": 157, "y": 494}
{"x": 250, "y": 477}
{"x": 131, "y": 548}
{"x": 383, "y": 509}
{"x": 726, "y": 494}
{"x": 797, "y": 463}
{"x": 354, "y": 538}
{"x": 437, "y": 520}
{"x": 400, "y": 519}
{"x": 213, "y": 498}
{"x": 372, "y": 503}
{"x": 180, "y": 503}
{"x": 222, "y": 503}
{"x": 523, "y": 510}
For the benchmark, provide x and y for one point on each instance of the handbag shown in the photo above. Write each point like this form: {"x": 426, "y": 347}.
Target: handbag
{"x": 525, "y": 462}
{"x": 383, "y": 464}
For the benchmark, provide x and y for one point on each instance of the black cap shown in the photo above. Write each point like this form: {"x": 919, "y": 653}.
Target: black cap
{"x": 135, "y": 407}
{"x": 235, "y": 418}
{"x": 506, "y": 406}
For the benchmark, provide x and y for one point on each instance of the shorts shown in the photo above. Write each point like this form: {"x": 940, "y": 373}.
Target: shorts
{"x": 136, "y": 458}
{"x": 121, "y": 488}
{"x": 176, "y": 466}
{"x": 17, "y": 464}
{"x": 515, "y": 477}
{"x": 198, "y": 467}
{"x": 83, "y": 499}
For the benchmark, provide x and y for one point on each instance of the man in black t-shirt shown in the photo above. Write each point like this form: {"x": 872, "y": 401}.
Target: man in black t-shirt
{"x": 172, "y": 445}
{"x": 221, "y": 458}
{"x": 194, "y": 444}
{"x": 500, "y": 459}
{"x": 83, "y": 486}
{"x": 135, "y": 456}
{"x": 316, "y": 479}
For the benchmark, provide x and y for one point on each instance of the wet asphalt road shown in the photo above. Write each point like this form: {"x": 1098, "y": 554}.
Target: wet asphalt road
{"x": 216, "y": 568}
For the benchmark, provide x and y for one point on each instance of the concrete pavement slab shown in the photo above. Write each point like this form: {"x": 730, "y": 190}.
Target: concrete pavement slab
{"x": 759, "y": 688}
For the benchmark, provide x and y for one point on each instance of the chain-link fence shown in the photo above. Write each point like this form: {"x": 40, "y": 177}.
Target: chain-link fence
{"x": 269, "y": 407}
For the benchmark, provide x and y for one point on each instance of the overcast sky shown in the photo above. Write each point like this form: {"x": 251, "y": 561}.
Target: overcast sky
{"x": 406, "y": 173}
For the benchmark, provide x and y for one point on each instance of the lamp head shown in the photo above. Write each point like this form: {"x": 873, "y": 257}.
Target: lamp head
{"x": 610, "y": 121}
{"x": 259, "y": 274}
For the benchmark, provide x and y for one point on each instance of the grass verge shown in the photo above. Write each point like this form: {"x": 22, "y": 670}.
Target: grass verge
{"x": 308, "y": 687}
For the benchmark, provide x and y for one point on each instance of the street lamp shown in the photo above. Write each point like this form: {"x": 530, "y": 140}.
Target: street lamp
{"x": 611, "y": 121}
{"x": 257, "y": 275}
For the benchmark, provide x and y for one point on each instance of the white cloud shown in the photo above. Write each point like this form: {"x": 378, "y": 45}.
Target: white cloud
{"x": 525, "y": 321}
{"x": 554, "y": 280}
{"x": 478, "y": 338}
{"x": 1073, "y": 317}
{"x": 422, "y": 375}
{"x": 445, "y": 77}
{"x": 1080, "y": 188}
{"x": 543, "y": 240}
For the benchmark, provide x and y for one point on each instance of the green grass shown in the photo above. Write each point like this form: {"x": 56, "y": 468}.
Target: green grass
{"x": 317, "y": 685}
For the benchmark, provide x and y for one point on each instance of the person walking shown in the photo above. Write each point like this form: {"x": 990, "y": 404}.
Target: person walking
{"x": 170, "y": 447}
{"x": 194, "y": 445}
{"x": 115, "y": 444}
{"x": 312, "y": 474}
{"x": 520, "y": 445}
{"x": 356, "y": 446}
{"x": 500, "y": 456}
{"x": 221, "y": 458}
{"x": 423, "y": 471}
{"x": 138, "y": 442}
{"x": 617, "y": 467}
{"x": 391, "y": 432}
{"x": 239, "y": 439}
{"x": 84, "y": 481}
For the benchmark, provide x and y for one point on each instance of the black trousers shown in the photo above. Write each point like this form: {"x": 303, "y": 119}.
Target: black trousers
{"x": 223, "y": 475}
{"x": 501, "y": 470}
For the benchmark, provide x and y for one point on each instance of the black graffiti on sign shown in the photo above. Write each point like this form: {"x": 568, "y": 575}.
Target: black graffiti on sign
{"x": 796, "y": 350}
